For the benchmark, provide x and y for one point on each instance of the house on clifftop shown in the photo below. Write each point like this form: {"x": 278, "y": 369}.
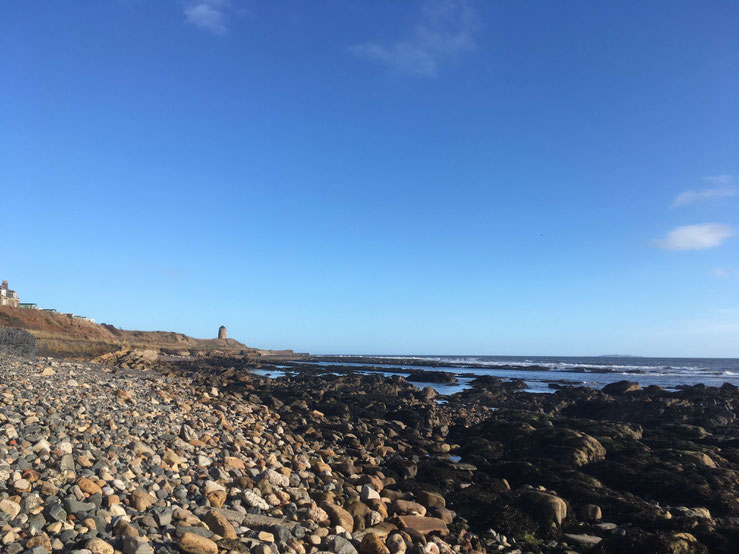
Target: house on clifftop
{"x": 9, "y": 297}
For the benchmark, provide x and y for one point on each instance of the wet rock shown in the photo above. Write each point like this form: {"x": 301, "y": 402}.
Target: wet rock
{"x": 621, "y": 387}
{"x": 581, "y": 540}
{"x": 590, "y": 512}
{"x": 545, "y": 507}
{"x": 432, "y": 377}
{"x": 431, "y": 499}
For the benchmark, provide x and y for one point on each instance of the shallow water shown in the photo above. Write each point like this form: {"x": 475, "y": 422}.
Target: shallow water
{"x": 272, "y": 374}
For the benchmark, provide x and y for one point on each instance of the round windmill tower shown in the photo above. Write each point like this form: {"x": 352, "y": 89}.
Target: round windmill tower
{"x": 222, "y": 332}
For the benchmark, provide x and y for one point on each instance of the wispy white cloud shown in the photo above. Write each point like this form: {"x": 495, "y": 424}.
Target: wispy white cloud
{"x": 445, "y": 29}
{"x": 724, "y": 273}
{"x": 696, "y": 237}
{"x": 724, "y": 189}
{"x": 719, "y": 179}
{"x": 209, "y": 15}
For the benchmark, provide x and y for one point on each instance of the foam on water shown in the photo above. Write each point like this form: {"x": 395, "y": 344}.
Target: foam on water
{"x": 539, "y": 372}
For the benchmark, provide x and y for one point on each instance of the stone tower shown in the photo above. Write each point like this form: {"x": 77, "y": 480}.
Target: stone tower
{"x": 222, "y": 332}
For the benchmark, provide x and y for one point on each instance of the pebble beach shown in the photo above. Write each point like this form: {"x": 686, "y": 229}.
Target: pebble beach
{"x": 101, "y": 460}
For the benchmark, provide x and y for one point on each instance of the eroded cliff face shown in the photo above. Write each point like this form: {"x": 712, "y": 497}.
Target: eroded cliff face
{"x": 17, "y": 342}
{"x": 64, "y": 335}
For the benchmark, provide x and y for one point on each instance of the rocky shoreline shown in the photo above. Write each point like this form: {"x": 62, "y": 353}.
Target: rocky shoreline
{"x": 204, "y": 456}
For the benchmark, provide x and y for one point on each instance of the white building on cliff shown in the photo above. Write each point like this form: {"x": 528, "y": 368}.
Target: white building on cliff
{"x": 9, "y": 297}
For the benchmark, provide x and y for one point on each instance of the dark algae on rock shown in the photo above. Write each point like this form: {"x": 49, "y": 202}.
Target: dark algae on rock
{"x": 578, "y": 469}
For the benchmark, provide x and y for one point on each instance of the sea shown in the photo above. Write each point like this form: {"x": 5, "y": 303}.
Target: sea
{"x": 541, "y": 372}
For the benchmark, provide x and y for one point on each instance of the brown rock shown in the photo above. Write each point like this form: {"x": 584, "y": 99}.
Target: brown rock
{"x": 431, "y": 499}
{"x": 372, "y": 544}
{"x": 378, "y": 505}
{"x": 234, "y": 462}
{"x": 31, "y": 475}
{"x": 382, "y": 529}
{"x": 49, "y": 489}
{"x": 190, "y": 543}
{"x": 373, "y": 481}
{"x": 339, "y": 516}
{"x": 89, "y": 486}
{"x": 123, "y": 395}
{"x": 683, "y": 543}
{"x": 41, "y": 539}
{"x": 423, "y": 525}
{"x": 697, "y": 458}
{"x": 216, "y": 498}
{"x": 170, "y": 458}
{"x": 84, "y": 461}
{"x": 219, "y": 524}
{"x": 396, "y": 543}
{"x": 407, "y": 507}
{"x": 358, "y": 509}
{"x": 590, "y": 512}
{"x": 99, "y": 546}
{"x": 545, "y": 507}
{"x": 141, "y": 500}
{"x": 443, "y": 514}
{"x": 392, "y": 495}
{"x": 125, "y": 529}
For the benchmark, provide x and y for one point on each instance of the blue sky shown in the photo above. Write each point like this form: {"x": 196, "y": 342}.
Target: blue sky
{"x": 379, "y": 177}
